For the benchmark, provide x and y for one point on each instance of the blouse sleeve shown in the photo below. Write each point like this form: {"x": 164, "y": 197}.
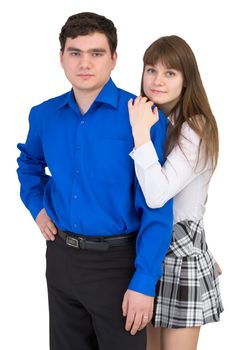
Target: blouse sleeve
{"x": 183, "y": 164}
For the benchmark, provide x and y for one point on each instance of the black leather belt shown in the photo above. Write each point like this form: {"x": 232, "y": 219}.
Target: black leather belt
{"x": 98, "y": 243}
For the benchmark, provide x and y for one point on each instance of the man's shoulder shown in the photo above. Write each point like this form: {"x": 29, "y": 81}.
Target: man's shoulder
{"x": 126, "y": 94}
{"x": 53, "y": 103}
{"x": 162, "y": 119}
{"x": 159, "y": 129}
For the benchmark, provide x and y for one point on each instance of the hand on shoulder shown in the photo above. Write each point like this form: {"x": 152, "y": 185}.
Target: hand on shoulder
{"x": 142, "y": 117}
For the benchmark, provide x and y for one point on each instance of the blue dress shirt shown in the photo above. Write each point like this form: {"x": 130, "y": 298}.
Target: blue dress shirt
{"x": 92, "y": 189}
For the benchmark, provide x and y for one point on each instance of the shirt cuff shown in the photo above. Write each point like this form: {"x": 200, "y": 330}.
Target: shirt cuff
{"x": 37, "y": 203}
{"x": 144, "y": 284}
{"x": 145, "y": 155}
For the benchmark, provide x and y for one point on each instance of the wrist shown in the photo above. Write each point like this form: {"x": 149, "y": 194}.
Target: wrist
{"x": 141, "y": 137}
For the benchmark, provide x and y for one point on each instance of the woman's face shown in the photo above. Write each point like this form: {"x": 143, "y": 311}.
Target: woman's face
{"x": 162, "y": 85}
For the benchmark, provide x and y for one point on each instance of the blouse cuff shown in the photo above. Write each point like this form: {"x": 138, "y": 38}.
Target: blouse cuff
{"x": 145, "y": 155}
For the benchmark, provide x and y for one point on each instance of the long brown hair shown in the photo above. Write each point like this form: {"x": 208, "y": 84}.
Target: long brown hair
{"x": 193, "y": 106}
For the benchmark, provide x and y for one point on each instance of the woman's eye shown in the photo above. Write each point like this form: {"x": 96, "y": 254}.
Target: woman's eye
{"x": 170, "y": 74}
{"x": 150, "y": 70}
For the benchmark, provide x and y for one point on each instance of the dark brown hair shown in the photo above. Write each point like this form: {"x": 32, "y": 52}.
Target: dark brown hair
{"x": 193, "y": 106}
{"x": 85, "y": 23}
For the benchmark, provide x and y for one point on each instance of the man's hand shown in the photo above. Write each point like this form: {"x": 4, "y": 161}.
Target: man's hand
{"x": 46, "y": 226}
{"x": 138, "y": 310}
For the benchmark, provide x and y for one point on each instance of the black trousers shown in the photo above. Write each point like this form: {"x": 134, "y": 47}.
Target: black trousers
{"x": 85, "y": 290}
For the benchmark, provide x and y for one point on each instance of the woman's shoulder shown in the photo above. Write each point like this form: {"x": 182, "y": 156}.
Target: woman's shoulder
{"x": 188, "y": 133}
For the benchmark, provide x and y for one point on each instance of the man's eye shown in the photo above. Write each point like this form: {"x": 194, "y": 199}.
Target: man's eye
{"x": 97, "y": 54}
{"x": 75, "y": 54}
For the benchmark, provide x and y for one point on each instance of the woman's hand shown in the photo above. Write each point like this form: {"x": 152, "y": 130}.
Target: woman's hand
{"x": 142, "y": 118}
{"x": 218, "y": 268}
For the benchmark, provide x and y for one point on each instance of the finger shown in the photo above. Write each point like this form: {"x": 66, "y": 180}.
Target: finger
{"x": 129, "y": 320}
{"x": 151, "y": 103}
{"x": 136, "y": 324}
{"x": 155, "y": 111}
{"x": 147, "y": 317}
{"x": 219, "y": 270}
{"x": 130, "y": 104}
{"x": 52, "y": 227}
{"x": 45, "y": 236}
{"x": 49, "y": 233}
{"x": 145, "y": 321}
{"x": 144, "y": 99}
{"x": 125, "y": 306}
{"x": 137, "y": 100}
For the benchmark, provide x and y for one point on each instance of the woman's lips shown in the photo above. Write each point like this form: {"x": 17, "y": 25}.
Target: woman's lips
{"x": 157, "y": 91}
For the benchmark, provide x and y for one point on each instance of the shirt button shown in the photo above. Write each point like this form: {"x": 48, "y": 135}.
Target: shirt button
{"x": 77, "y": 171}
{"x": 78, "y": 146}
{"x": 75, "y": 225}
{"x": 75, "y": 196}
{"x": 82, "y": 122}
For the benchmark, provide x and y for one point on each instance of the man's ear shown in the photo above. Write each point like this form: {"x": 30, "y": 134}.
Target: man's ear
{"x": 114, "y": 59}
{"x": 61, "y": 58}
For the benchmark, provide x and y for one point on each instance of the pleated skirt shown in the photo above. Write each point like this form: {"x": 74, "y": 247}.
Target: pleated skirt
{"x": 188, "y": 294}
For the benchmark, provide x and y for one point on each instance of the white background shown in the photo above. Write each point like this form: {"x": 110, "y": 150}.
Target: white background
{"x": 30, "y": 73}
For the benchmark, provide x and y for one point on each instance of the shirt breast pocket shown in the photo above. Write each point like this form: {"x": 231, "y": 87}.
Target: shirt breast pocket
{"x": 110, "y": 160}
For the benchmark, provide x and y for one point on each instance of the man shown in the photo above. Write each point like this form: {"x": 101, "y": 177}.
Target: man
{"x": 91, "y": 209}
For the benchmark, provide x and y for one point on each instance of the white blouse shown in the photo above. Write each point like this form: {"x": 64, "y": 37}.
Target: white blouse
{"x": 180, "y": 177}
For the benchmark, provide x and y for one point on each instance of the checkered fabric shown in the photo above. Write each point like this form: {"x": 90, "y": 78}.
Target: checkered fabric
{"x": 188, "y": 294}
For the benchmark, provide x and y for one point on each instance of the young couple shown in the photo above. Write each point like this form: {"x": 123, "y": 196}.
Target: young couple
{"x": 122, "y": 210}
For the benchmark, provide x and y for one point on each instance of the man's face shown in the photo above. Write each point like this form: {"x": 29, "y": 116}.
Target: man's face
{"x": 87, "y": 62}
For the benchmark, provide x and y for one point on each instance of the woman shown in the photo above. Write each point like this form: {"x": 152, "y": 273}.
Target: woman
{"x": 188, "y": 293}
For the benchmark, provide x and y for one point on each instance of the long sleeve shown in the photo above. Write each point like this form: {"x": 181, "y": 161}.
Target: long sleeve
{"x": 183, "y": 165}
{"x": 155, "y": 232}
{"x": 31, "y": 170}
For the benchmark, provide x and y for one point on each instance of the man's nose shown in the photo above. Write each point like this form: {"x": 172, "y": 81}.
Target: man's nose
{"x": 85, "y": 61}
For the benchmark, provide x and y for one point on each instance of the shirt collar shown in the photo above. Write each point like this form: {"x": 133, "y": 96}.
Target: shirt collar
{"x": 108, "y": 95}
{"x": 68, "y": 99}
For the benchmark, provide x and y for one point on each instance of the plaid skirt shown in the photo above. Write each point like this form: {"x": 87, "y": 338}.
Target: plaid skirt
{"x": 188, "y": 293}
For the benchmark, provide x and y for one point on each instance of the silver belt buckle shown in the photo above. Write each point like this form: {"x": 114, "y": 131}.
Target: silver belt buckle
{"x": 72, "y": 242}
